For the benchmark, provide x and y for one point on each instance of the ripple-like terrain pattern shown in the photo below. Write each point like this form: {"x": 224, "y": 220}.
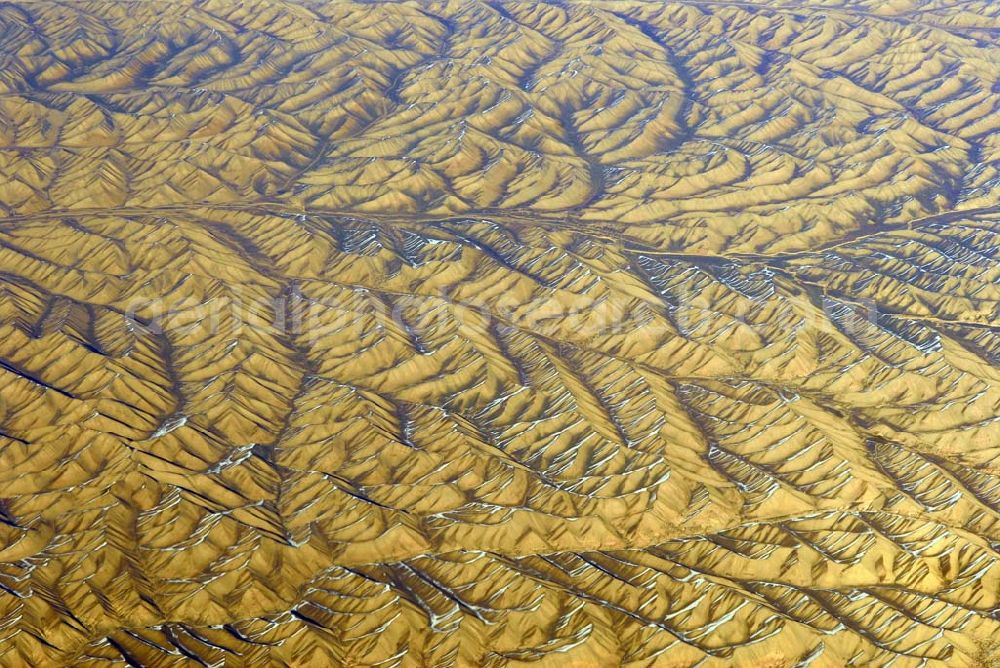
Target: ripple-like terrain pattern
{"x": 499, "y": 333}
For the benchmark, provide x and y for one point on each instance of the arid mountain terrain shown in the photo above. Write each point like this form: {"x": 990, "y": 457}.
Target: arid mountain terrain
{"x": 556, "y": 334}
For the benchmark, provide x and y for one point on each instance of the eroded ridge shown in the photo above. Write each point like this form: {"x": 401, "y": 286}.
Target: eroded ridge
{"x": 246, "y": 437}
{"x": 783, "y": 126}
{"x": 490, "y": 334}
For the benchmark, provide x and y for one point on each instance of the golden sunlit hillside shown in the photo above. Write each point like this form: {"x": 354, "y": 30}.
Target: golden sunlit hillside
{"x": 500, "y": 334}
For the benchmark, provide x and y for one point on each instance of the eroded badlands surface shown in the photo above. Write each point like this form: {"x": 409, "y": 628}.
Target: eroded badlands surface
{"x": 471, "y": 334}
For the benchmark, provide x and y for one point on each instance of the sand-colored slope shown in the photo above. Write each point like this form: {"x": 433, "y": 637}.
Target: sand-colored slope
{"x": 499, "y": 334}
{"x": 784, "y": 128}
